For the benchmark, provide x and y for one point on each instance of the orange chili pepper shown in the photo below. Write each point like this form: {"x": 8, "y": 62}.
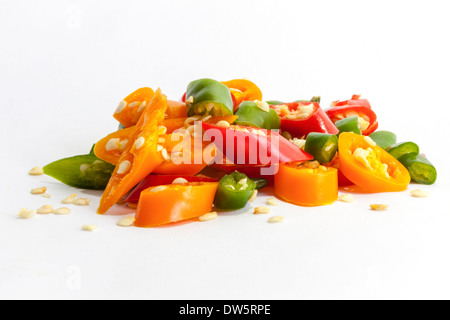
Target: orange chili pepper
{"x": 243, "y": 90}
{"x": 131, "y": 108}
{"x": 111, "y": 147}
{"x": 369, "y": 166}
{"x": 306, "y": 186}
{"x": 176, "y": 109}
{"x": 171, "y": 203}
{"x": 140, "y": 156}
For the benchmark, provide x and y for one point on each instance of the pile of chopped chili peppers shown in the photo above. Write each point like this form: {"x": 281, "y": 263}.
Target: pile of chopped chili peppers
{"x": 218, "y": 145}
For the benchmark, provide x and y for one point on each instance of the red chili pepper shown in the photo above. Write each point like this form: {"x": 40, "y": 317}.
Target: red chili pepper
{"x": 354, "y": 107}
{"x": 154, "y": 180}
{"x": 300, "y": 124}
{"x": 253, "y": 146}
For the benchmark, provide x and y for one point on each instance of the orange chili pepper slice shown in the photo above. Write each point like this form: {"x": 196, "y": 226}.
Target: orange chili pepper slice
{"x": 299, "y": 184}
{"x": 243, "y": 90}
{"x": 111, "y": 147}
{"x": 369, "y": 166}
{"x": 131, "y": 108}
{"x": 171, "y": 203}
{"x": 140, "y": 156}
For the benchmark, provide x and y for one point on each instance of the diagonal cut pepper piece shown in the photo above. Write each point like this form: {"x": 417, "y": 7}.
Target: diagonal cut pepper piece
{"x": 166, "y": 204}
{"x": 141, "y": 155}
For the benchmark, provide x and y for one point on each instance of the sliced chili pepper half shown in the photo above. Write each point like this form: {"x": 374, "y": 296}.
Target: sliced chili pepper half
{"x": 252, "y": 146}
{"x": 355, "y": 107}
{"x": 154, "y": 180}
{"x": 301, "y": 118}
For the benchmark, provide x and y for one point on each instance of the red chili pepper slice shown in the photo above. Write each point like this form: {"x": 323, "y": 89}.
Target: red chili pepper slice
{"x": 354, "y": 107}
{"x": 253, "y": 146}
{"x": 299, "y": 124}
{"x": 153, "y": 180}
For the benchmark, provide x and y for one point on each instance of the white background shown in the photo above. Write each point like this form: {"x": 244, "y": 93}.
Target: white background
{"x": 65, "y": 65}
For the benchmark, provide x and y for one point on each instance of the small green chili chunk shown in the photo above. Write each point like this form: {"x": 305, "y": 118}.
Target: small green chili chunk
{"x": 234, "y": 191}
{"x": 322, "y": 146}
{"x": 350, "y": 124}
{"x": 420, "y": 168}
{"x": 251, "y": 115}
{"x": 208, "y": 97}
{"x": 399, "y": 149}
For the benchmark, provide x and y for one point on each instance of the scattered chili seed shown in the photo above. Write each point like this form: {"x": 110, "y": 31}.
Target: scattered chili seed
{"x": 45, "y": 209}
{"x": 26, "y": 213}
{"x": 379, "y": 207}
{"x": 275, "y": 219}
{"x": 89, "y": 227}
{"x": 69, "y": 199}
{"x": 40, "y": 190}
{"x": 261, "y": 210}
{"x": 36, "y": 171}
{"x": 346, "y": 198}
{"x": 417, "y": 193}
{"x": 62, "y": 211}
{"x": 272, "y": 202}
{"x": 126, "y": 222}
{"x": 208, "y": 216}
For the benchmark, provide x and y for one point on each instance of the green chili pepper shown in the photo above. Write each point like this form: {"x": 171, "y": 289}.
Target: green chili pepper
{"x": 84, "y": 171}
{"x": 251, "y": 115}
{"x": 274, "y": 102}
{"x": 208, "y": 96}
{"x": 277, "y": 102}
{"x": 260, "y": 182}
{"x": 350, "y": 124}
{"x": 322, "y": 146}
{"x": 399, "y": 149}
{"x": 384, "y": 139}
{"x": 313, "y": 99}
{"x": 234, "y": 191}
{"x": 420, "y": 169}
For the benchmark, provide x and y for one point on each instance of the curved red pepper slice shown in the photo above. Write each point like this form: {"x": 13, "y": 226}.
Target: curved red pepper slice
{"x": 253, "y": 146}
{"x": 153, "y": 180}
{"x": 355, "y": 106}
{"x": 299, "y": 127}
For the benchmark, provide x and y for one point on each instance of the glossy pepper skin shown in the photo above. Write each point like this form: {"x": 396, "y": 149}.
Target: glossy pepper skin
{"x": 234, "y": 191}
{"x": 370, "y": 167}
{"x": 166, "y": 204}
{"x": 420, "y": 168}
{"x": 83, "y": 171}
{"x": 298, "y": 127}
{"x": 322, "y": 146}
{"x": 243, "y": 90}
{"x": 306, "y": 185}
{"x": 399, "y": 149}
{"x": 154, "y": 180}
{"x": 354, "y": 107}
{"x": 252, "y": 146}
{"x": 208, "y": 97}
{"x": 249, "y": 114}
{"x": 350, "y": 124}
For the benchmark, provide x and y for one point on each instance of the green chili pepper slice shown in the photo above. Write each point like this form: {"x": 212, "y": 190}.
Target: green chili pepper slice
{"x": 83, "y": 171}
{"x": 234, "y": 191}
{"x": 260, "y": 182}
{"x": 384, "y": 139}
{"x": 313, "y": 99}
{"x": 274, "y": 102}
{"x": 399, "y": 149}
{"x": 322, "y": 146}
{"x": 420, "y": 168}
{"x": 251, "y": 115}
{"x": 350, "y": 124}
{"x": 208, "y": 97}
